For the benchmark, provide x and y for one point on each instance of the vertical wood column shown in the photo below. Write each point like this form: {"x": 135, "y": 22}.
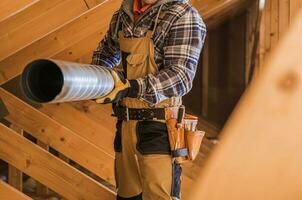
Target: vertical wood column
{"x": 41, "y": 189}
{"x": 14, "y": 175}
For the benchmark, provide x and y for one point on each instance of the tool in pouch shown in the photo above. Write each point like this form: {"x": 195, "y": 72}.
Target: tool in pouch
{"x": 185, "y": 140}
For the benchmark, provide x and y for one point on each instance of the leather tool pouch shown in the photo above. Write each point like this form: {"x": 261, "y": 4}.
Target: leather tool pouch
{"x": 185, "y": 140}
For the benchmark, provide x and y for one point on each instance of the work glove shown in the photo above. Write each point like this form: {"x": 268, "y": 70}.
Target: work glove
{"x": 121, "y": 89}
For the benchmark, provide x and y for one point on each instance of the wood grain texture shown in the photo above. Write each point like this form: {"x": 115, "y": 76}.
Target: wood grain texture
{"x": 35, "y": 27}
{"x": 259, "y": 156}
{"x": 7, "y": 192}
{"x": 9, "y": 7}
{"x": 15, "y": 177}
{"x": 48, "y": 169}
{"x": 59, "y": 137}
{"x": 60, "y": 39}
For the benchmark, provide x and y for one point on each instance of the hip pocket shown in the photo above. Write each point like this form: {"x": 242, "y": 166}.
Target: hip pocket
{"x": 152, "y": 138}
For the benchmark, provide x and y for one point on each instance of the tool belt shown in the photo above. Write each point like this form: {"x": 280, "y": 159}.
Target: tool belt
{"x": 185, "y": 140}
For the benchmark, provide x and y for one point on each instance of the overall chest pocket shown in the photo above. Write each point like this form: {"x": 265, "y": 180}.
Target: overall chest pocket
{"x": 138, "y": 66}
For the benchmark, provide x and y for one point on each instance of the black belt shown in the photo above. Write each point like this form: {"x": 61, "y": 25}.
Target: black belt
{"x": 125, "y": 113}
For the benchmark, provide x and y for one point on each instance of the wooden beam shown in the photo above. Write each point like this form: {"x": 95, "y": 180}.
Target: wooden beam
{"x": 42, "y": 190}
{"x": 59, "y": 137}
{"x": 81, "y": 48}
{"x": 259, "y": 156}
{"x": 213, "y": 11}
{"x": 48, "y": 169}
{"x": 96, "y": 132}
{"x": 92, "y": 3}
{"x": 60, "y": 39}
{"x": 9, "y": 193}
{"x": 15, "y": 176}
{"x": 55, "y": 13}
{"x": 9, "y": 7}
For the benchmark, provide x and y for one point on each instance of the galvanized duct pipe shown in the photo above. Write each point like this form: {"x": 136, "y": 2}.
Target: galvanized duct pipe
{"x": 51, "y": 81}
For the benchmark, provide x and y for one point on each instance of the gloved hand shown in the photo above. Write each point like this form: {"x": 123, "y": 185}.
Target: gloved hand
{"x": 121, "y": 89}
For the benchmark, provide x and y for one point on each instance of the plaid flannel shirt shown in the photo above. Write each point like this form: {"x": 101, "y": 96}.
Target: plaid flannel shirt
{"x": 178, "y": 40}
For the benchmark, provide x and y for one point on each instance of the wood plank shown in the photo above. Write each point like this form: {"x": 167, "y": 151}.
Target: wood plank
{"x": 295, "y": 7}
{"x": 259, "y": 156}
{"x": 60, "y": 39}
{"x": 9, "y": 7}
{"x": 267, "y": 26}
{"x": 205, "y": 77}
{"x": 93, "y": 3}
{"x": 274, "y": 23}
{"x": 23, "y": 16}
{"x": 15, "y": 177}
{"x": 48, "y": 169}
{"x": 59, "y": 137}
{"x": 284, "y": 17}
{"x": 41, "y": 189}
{"x": 9, "y": 193}
{"x": 35, "y": 27}
{"x": 96, "y": 132}
{"x": 81, "y": 48}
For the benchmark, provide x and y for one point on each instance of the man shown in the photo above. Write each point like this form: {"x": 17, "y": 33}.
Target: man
{"x": 157, "y": 43}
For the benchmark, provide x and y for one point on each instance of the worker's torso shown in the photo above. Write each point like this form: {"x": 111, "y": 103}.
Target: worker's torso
{"x": 138, "y": 60}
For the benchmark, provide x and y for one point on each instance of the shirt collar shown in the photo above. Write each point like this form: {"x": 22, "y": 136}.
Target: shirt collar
{"x": 138, "y": 9}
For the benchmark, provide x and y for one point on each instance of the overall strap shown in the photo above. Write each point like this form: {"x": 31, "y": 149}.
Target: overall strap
{"x": 156, "y": 20}
{"x": 117, "y": 25}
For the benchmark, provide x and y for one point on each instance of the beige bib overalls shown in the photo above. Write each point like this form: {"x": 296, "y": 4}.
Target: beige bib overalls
{"x": 141, "y": 169}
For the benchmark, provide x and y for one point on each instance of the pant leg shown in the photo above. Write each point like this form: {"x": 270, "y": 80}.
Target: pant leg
{"x": 160, "y": 177}
{"x": 156, "y": 176}
{"x": 127, "y": 171}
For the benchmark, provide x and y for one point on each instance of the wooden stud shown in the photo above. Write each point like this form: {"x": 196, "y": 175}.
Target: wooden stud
{"x": 48, "y": 169}
{"x": 15, "y": 177}
{"x": 284, "y": 16}
{"x": 274, "y": 23}
{"x": 41, "y": 189}
{"x": 205, "y": 78}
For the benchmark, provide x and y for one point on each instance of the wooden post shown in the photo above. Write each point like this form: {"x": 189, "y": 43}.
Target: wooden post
{"x": 42, "y": 190}
{"x": 205, "y": 78}
{"x": 14, "y": 175}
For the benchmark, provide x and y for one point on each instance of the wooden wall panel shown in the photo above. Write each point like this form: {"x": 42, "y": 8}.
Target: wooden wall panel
{"x": 48, "y": 169}
{"x": 259, "y": 156}
{"x": 277, "y": 19}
